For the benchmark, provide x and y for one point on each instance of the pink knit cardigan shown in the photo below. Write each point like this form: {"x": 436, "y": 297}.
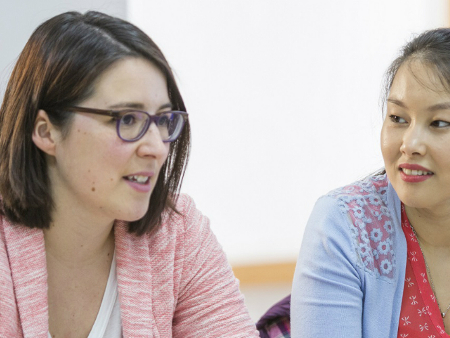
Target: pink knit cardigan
{"x": 175, "y": 283}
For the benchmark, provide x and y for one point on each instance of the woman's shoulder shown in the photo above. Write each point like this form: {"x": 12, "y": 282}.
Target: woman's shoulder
{"x": 185, "y": 204}
{"x": 365, "y": 203}
{"x": 183, "y": 210}
{"x": 373, "y": 188}
{"x": 367, "y": 215}
{"x": 364, "y": 200}
{"x": 181, "y": 219}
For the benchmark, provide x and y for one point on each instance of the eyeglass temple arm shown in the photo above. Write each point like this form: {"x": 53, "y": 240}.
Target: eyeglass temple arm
{"x": 92, "y": 111}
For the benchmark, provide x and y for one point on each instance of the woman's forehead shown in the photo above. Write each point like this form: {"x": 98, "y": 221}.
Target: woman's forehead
{"x": 417, "y": 73}
{"x": 130, "y": 79}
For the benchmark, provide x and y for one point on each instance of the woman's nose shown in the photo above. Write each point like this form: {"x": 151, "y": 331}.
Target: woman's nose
{"x": 413, "y": 142}
{"x": 151, "y": 143}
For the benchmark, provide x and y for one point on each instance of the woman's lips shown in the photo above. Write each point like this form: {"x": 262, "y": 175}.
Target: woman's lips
{"x": 413, "y": 173}
{"x": 139, "y": 186}
{"x": 139, "y": 181}
{"x": 138, "y": 178}
{"x": 412, "y": 166}
{"x": 410, "y": 172}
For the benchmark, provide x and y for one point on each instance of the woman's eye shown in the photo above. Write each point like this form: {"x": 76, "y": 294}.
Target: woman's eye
{"x": 128, "y": 119}
{"x": 397, "y": 119}
{"x": 440, "y": 124}
{"x": 163, "y": 120}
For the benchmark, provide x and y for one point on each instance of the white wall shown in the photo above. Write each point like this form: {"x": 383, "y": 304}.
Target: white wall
{"x": 19, "y": 18}
{"x": 283, "y": 97}
{"x": 316, "y": 67}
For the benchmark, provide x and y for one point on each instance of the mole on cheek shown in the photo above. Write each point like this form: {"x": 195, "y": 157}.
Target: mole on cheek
{"x": 93, "y": 189}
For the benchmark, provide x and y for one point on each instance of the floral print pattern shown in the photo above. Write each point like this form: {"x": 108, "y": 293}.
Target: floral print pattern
{"x": 419, "y": 315}
{"x": 364, "y": 204}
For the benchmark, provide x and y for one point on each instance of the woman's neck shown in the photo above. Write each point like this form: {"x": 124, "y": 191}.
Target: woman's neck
{"x": 432, "y": 227}
{"x": 78, "y": 240}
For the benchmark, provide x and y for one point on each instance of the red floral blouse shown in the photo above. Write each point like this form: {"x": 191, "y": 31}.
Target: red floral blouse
{"x": 419, "y": 315}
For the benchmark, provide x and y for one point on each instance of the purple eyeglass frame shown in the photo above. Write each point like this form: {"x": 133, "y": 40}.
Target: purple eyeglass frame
{"x": 116, "y": 113}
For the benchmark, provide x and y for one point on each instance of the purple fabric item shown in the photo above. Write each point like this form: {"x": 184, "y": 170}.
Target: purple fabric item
{"x": 280, "y": 312}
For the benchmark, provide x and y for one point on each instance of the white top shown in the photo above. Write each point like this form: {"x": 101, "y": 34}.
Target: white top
{"x": 108, "y": 323}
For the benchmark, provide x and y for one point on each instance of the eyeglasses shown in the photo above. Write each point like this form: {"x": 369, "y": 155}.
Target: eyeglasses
{"x": 133, "y": 124}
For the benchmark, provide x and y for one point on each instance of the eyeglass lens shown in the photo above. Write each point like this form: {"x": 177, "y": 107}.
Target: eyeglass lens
{"x": 133, "y": 125}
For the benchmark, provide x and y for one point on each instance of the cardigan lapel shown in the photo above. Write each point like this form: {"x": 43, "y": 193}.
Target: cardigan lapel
{"x": 26, "y": 252}
{"x": 135, "y": 283}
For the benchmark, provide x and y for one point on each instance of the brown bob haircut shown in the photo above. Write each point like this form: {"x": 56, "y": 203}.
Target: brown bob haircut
{"x": 57, "y": 69}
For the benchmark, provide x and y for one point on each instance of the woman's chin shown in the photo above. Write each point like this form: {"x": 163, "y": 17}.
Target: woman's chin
{"x": 134, "y": 216}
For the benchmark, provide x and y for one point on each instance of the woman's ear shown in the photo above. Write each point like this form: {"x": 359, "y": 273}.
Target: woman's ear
{"x": 44, "y": 133}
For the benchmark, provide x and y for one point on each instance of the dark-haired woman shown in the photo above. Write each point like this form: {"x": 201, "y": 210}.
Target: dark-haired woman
{"x": 94, "y": 239}
{"x": 375, "y": 258}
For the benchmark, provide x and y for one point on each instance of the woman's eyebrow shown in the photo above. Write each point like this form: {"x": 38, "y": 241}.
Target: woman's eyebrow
{"x": 397, "y": 102}
{"x": 134, "y": 105}
{"x": 433, "y": 108}
{"x": 167, "y": 105}
{"x": 440, "y": 106}
{"x": 137, "y": 105}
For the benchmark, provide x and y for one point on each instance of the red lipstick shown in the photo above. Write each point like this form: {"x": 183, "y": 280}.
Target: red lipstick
{"x": 413, "y": 167}
{"x": 407, "y": 173}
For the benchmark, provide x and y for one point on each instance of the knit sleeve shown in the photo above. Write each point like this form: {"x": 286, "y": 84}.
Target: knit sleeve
{"x": 209, "y": 303}
{"x": 327, "y": 297}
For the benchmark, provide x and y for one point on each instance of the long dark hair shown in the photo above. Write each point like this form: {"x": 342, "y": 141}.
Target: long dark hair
{"x": 57, "y": 69}
{"x": 432, "y": 48}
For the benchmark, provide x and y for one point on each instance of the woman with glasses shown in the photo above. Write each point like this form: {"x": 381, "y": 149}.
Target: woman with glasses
{"x": 95, "y": 240}
{"x": 375, "y": 258}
